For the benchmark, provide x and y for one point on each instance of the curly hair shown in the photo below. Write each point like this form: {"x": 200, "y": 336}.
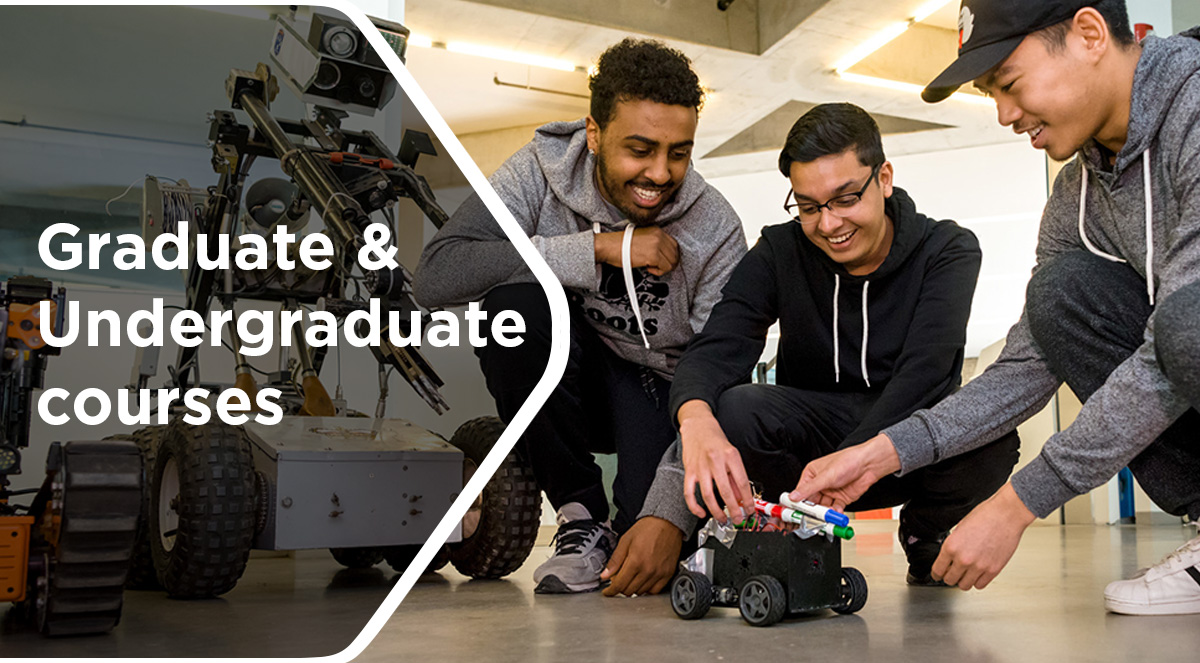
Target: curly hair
{"x": 637, "y": 69}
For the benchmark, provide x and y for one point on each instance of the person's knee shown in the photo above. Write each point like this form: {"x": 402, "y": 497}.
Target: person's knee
{"x": 527, "y": 300}
{"x": 1054, "y": 287}
{"x": 736, "y": 412}
{"x": 1176, "y": 338}
{"x": 525, "y": 362}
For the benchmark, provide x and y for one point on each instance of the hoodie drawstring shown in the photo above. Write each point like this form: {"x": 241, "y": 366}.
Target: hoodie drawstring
{"x": 1149, "y": 226}
{"x": 837, "y": 367}
{"x": 1083, "y": 187}
{"x": 626, "y": 259}
{"x": 627, "y": 272}
{"x": 864, "y": 341}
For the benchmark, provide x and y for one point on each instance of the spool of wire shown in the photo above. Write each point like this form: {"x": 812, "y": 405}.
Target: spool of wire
{"x": 165, "y": 206}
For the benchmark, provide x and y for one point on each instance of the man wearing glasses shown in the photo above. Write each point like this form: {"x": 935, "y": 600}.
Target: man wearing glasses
{"x": 872, "y": 300}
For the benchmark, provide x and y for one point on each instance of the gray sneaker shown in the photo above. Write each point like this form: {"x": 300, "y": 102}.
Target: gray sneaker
{"x": 582, "y": 547}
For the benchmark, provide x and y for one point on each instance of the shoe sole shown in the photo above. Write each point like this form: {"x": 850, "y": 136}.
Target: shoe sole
{"x": 552, "y": 585}
{"x": 914, "y": 581}
{"x": 1189, "y": 607}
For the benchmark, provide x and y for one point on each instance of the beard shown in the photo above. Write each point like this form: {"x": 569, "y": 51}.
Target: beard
{"x": 617, "y": 190}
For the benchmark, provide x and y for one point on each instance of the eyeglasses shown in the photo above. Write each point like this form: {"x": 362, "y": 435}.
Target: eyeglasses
{"x": 809, "y": 212}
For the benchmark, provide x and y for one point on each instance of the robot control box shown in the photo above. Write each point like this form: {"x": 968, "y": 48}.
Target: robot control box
{"x": 349, "y": 482}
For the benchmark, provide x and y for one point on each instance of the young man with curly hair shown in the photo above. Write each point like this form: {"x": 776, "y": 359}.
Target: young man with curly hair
{"x": 1111, "y": 307}
{"x": 581, "y": 190}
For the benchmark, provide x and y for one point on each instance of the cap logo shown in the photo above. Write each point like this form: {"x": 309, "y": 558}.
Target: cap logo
{"x": 966, "y": 25}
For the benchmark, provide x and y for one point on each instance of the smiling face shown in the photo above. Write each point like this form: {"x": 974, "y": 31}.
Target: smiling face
{"x": 858, "y": 237}
{"x": 1046, "y": 96}
{"x": 1061, "y": 96}
{"x": 642, "y": 156}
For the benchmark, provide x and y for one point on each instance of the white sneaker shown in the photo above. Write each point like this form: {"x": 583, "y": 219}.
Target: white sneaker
{"x": 1171, "y": 587}
{"x": 582, "y": 547}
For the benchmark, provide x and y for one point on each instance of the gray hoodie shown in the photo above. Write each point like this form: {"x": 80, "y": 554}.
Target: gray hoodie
{"x": 1137, "y": 403}
{"x": 549, "y": 186}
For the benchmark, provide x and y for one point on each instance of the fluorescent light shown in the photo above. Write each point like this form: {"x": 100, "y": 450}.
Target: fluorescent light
{"x": 509, "y": 56}
{"x": 926, "y": 10}
{"x": 909, "y": 87}
{"x": 871, "y": 45}
{"x": 884, "y": 36}
{"x": 420, "y": 41}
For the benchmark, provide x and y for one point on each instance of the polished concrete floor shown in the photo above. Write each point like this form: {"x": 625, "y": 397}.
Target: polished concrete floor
{"x": 1047, "y": 606}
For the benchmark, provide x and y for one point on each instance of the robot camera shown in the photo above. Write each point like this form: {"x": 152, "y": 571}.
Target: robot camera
{"x": 335, "y": 66}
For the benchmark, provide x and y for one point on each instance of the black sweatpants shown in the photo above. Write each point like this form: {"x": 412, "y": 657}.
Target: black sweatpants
{"x": 603, "y": 404}
{"x": 1088, "y": 315}
{"x": 778, "y": 430}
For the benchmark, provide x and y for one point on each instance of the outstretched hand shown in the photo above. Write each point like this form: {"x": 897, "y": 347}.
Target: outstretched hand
{"x": 645, "y": 558}
{"x": 710, "y": 460}
{"x": 980, "y": 547}
{"x": 842, "y": 477}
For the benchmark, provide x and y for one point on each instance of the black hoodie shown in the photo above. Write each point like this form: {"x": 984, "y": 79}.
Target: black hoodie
{"x": 908, "y": 351}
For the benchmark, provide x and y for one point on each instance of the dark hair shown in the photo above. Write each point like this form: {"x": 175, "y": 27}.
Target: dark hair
{"x": 832, "y": 129}
{"x": 1114, "y": 14}
{"x": 642, "y": 69}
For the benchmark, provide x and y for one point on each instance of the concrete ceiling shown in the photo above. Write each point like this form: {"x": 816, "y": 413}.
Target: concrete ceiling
{"x": 745, "y": 88}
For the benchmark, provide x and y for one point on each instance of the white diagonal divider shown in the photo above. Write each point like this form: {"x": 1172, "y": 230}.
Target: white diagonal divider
{"x": 560, "y": 330}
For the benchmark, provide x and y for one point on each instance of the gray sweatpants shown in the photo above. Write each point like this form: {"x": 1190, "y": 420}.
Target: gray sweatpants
{"x": 1088, "y": 315}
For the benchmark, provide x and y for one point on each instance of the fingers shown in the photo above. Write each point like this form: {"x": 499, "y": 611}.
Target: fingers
{"x": 669, "y": 250}
{"x": 940, "y": 566}
{"x": 617, "y": 560}
{"x": 710, "y": 500}
{"x": 661, "y": 584}
{"x": 730, "y": 497}
{"x": 810, "y": 483}
{"x": 689, "y": 495}
{"x": 741, "y": 483}
{"x": 970, "y": 576}
{"x": 619, "y": 583}
{"x": 986, "y": 579}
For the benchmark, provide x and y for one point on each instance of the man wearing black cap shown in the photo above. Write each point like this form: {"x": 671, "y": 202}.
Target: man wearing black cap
{"x": 1111, "y": 307}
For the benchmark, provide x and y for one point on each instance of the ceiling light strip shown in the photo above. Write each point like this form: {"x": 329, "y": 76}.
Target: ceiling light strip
{"x": 910, "y": 88}
{"x": 886, "y": 35}
{"x": 493, "y": 53}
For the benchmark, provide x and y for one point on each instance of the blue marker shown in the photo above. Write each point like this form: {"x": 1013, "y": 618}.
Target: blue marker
{"x": 816, "y": 511}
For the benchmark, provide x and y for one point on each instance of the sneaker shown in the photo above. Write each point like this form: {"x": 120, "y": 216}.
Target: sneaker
{"x": 1171, "y": 587}
{"x": 582, "y": 547}
{"x": 921, "y": 554}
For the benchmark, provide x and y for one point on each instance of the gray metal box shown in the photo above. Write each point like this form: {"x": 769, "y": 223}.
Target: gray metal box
{"x": 338, "y": 482}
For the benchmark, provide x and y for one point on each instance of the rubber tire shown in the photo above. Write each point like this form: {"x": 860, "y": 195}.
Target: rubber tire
{"x": 854, "y": 591}
{"x": 511, "y": 509}
{"x": 691, "y": 595}
{"x": 141, "y": 566}
{"x": 771, "y": 591}
{"x": 357, "y": 558}
{"x": 216, "y": 510}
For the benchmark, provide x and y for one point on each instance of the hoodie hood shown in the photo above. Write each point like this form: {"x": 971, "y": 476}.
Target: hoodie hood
{"x": 1163, "y": 69}
{"x": 1165, "y": 66}
{"x": 909, "y": 231}
{"x": 570, "y": 170}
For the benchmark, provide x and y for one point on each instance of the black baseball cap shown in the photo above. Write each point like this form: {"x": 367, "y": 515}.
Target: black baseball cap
{"x": 989, "y": 31}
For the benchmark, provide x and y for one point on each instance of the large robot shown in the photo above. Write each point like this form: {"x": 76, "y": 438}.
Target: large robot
{"x": 370, "y": 489}
{"x": 63, "y": 555}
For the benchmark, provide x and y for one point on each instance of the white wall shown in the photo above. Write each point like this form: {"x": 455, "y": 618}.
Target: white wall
{"x": 1155, "y": 12}
{"x": 997, "y": 191}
